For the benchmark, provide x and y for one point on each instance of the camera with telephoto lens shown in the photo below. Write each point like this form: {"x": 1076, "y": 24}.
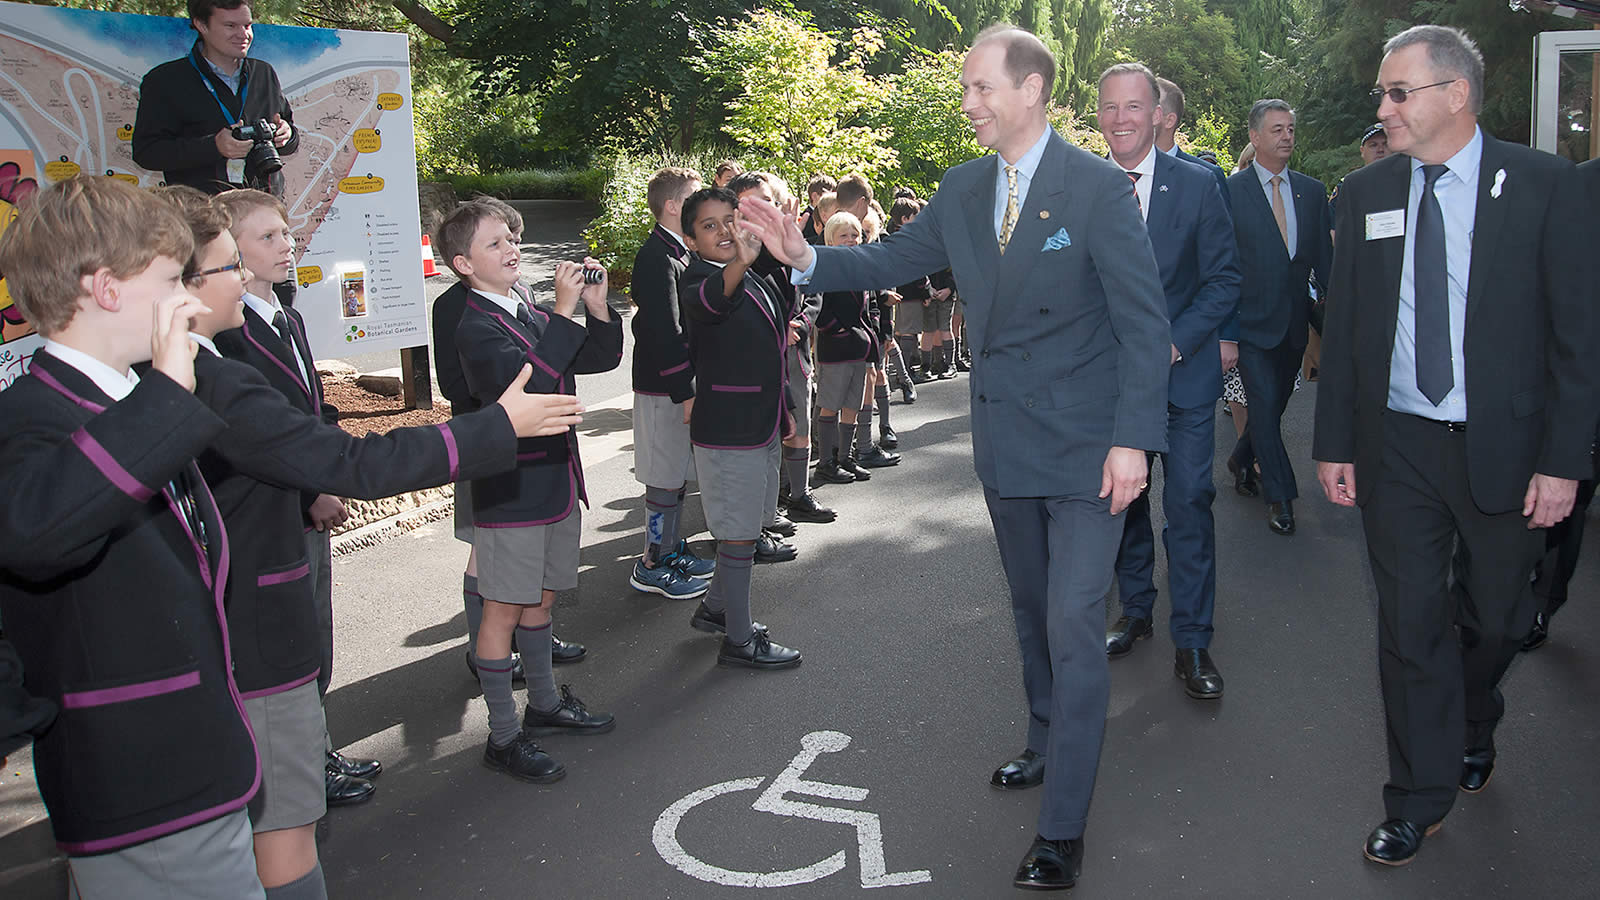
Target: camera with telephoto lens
{"x": 593, "y": 275}
{"x": 263, "y": 161}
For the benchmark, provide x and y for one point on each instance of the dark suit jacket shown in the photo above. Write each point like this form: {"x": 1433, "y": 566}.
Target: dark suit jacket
{"x": 660, "y": 345}
{"x": 175, "y": 128}
{"x": 737, "y": 343}
{"x": 257, "y": 468}
{"x": 1214, "y": 171}
{"x": 1531, "y": 328}
{"x": 1192, "y": 236}
{"x": 257, "y": 344}
{"x": 1274, "y": 300}
{"x": 493, "y": 346}
{"x": 1070, "y": 346}
{"x": 116, "y": 608}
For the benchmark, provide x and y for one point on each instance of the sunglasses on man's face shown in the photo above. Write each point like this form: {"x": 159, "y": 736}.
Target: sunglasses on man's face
{"x": 1398, "y": 95}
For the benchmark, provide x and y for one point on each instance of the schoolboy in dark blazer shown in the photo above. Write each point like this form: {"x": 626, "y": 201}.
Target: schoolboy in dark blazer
{"x": 737, "y": 337}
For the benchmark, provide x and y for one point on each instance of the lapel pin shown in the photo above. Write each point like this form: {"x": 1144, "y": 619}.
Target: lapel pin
{"x": 1044, "y": 213}
{"x": 1499, "y": 179}
{"x": 1163, "y": 189}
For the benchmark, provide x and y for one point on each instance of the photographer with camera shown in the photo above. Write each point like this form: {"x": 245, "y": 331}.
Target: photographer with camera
{"x": 216, "y": 119}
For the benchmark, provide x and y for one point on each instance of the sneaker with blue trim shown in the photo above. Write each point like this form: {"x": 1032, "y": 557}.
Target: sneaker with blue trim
{"x": 684, "y": 560}
{"x": 667, "y": 581}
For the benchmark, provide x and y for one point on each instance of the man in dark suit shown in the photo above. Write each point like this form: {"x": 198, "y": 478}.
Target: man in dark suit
{"x": 1457, "y": 407}
{"x": 1171, "y": 100}
{"x": 1067, "y": 385}
{"x": 1282, "y": 226}
{"x": 1192, "y": 236}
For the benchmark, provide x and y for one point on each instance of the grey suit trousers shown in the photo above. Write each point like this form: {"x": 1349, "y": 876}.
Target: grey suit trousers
{"x": 1058, "y": 554}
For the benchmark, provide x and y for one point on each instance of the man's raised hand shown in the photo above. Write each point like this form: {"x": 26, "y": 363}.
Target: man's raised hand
{"x": 171, "y": 351}
{"x": 779, "y": 232}
{"x": 538, "y": 415}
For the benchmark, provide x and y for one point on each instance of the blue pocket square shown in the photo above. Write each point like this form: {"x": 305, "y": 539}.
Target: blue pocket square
{"x": 1057, "y": 241}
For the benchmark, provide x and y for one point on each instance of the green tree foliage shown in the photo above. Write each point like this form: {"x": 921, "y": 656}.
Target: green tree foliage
{"x": 922, "y": 115}
{"x": 799, "y": 97}
{"x": 1262, "y": 29}
{"x": 1194, "y": 47}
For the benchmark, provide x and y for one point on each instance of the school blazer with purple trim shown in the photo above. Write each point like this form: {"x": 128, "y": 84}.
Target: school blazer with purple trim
{"x": 661, "y": 365}
{"x": 258, "y": 344}
{"x": 257, "y": 469}
{"x": 847, "y": 327}
{"x": 117, "y": 611}
{"x": 493, "y": 347}
{"x": 737, "y": 347}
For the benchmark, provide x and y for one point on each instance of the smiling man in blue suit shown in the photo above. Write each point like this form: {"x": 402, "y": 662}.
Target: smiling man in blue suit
{"x": 1071, "y": 354}
{"x": 1192, "y": 236}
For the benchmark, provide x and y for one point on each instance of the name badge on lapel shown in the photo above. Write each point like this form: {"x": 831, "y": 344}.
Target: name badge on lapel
{"x": 1386, "y": 224}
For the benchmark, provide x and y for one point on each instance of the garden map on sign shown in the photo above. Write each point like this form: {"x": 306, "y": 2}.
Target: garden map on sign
{"x": 69, "y": 84}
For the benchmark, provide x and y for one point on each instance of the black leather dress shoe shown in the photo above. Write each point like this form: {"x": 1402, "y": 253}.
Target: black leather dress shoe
{"x": 346, "y": 791}
{"x": 1123, "y": 634}
{"x": 783, "y": 527}
{"x": 518, "y": 673}
{"x": 1024, "y": 772}
{"x": 717, "y": 623}
{"x": 1477, "y": 766}
{"x": 1201, "y": 680}
{"x": 757, "y": 653}
{"x": 1396, "y": 841}
{"x": 805, "y": 508}
{"x": 561, "y": 652}
{"x": 854, "y": 467}
{"x": 770, "y": 550}
{"x": 569, "y": 717}
{"x": 523, "y": 759}
{"x": 355, "y": 768}
{"x": 890, "y": 439}
{"x": 1280, "y": 517}
{"x": 878, "y": 458}
{"x": 1244, "y": 479}
{"x": 1538, "y": 634}
{"x": 1050, "y": 865}
{"x": 829, "y": 472}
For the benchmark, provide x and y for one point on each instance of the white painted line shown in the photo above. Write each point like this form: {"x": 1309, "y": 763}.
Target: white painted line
{"x": 867, "y": 825}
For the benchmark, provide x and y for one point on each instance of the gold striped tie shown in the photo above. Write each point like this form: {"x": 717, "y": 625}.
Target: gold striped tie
{"x": 1009, "y": 223}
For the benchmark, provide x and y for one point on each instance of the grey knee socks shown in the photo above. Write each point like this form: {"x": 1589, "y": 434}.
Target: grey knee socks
{"x": 827, "y": 433}
{"x": 309, "y": 886}
{"x": 734, "y": 562}
{"x": 494, "y": 675}
{"x": 794, "y": 465}
{"x": 880, "y": 399}
{"x": 474, "y": 604}
{"x": 660, "y": 523}
{"x": 542, "y": 694}
{"x": 864, "y": 430}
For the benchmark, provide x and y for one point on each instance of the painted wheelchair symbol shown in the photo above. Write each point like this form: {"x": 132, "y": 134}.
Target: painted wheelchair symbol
{"x": 869, "y": 831}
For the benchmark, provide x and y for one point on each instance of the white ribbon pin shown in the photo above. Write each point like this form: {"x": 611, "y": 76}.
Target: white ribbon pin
{"x": 1499, "y": 179}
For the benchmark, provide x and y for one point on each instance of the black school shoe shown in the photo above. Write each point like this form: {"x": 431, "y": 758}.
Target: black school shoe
{"x": 829, "y": 472}
{"x": 782, "y": 527}
{"x": 807, "y": 509}
{"x": 878, "y": 458}
{"x": 770, "y": 549}
{"x": 569, "y": 717}
{"x": 346, "y": 791}
{"x": 717, "y": 623}
{"x": 561, "y": 653}
{"x": 853, "y": 466}
{"x": 522, "y": 759}
{"x": 757, "y": 653}
{"x": 355, "y": 768}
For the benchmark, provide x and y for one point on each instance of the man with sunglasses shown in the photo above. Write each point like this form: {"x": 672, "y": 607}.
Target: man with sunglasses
{"x": 1456, "y": 409}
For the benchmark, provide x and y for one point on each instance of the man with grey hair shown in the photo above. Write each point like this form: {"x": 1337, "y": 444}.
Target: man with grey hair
{"x": 1456, "y": 409}
{"x": 1069, "y": 391}
{"x": 1282, "y": 226}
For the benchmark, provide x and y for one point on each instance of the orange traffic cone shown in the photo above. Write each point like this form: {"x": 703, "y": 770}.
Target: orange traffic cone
{"x": 429, "y": 269}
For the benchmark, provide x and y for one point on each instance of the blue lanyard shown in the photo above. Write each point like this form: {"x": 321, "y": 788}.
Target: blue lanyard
{"x": 244, "y": 86}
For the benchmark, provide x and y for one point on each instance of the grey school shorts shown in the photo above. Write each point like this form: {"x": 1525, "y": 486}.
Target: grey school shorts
{"x": 661, "y": 451}
{"x": 736, "y": 487}
{"x": 214, "y": 860}
{"x": 289, "y": 731}
{"x": 908, "y": 317}
{"x": 939, "y": 315}
{"x": 801, "y": 389}
{"x": 515, "y": 565}
{"x": 840, "y": 385}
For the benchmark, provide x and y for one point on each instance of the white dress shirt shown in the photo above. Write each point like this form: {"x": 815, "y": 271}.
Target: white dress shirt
{"x": 116, "y": 385}
{"x": 1146, "y": 183}
{"x": 266, "y": 309}
{"x": 509, "y": 304}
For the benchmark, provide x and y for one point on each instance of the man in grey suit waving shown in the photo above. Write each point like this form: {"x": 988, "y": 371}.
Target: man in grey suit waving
{"x": 1069, "y": 390}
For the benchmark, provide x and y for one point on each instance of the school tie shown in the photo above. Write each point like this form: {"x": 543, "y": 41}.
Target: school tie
{"x": 1279, "y": 214}
{"x": 280, "y": 324}
{"x": 183, "y": 498}
{"x": 525, "y": 317}
{"x": 1435, "y": 376}
{"x": 1009, "y": 223}
{"x": 1134, "y": 177}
